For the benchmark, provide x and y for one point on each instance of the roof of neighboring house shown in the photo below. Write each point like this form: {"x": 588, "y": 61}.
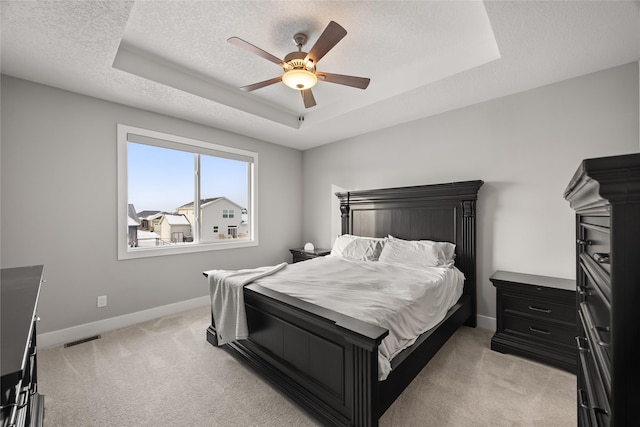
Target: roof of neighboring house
{"x": 219, "y": 199}
{"x": 156, "y": 216}
{"x": 202, "y": 202}
{"x": 147, "y": 214}
{"x": 176, "y": 219}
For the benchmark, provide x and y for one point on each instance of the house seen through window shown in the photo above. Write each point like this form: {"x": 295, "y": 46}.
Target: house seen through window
{"x": 172, "y": 190}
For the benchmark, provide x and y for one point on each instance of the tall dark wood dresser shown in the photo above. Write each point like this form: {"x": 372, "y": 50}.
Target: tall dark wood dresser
{"x": 605, "y": 193}
{"x": 22, "y": 405}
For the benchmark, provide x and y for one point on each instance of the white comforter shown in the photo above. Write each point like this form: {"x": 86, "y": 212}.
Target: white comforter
{"x": 405, "y": 300}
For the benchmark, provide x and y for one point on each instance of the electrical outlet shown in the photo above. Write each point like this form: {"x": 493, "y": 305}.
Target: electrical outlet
{"x": 102, "y": 301}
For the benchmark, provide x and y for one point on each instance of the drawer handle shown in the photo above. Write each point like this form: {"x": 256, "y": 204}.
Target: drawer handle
{"x": 9, "y": 405}
{"x": 25, "y": 397}
{"x": 584, "y": 403}
{"x": 596, "y": 332}
{"x": 601, "y": 258}
{"x": 582, "y": 399}
{"x": 541, "y": 310}
{"x": 583, "y": 290}
{"x": 540, "y": 331}
{"x": 584, "y": 242}
{"x": 581, "y": 349}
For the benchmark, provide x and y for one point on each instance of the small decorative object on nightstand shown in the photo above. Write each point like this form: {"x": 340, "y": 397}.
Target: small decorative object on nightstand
{"x": 536, "y": 318}
{"x": 299, "y": 254}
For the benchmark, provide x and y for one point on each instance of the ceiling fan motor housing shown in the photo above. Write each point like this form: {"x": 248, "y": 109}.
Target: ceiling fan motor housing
{"x": 295, "y": 61}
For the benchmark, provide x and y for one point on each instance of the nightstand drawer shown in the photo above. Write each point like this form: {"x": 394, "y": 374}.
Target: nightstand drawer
{"x": 539, "y": 308}
{"x": 541, "y": 331}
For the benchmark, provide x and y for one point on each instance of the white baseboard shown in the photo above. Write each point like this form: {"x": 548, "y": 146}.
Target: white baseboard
{"x": 62, "y": 336}
{"x": 486, "y": 322}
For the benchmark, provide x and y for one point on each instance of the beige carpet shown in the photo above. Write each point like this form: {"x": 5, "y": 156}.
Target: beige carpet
{"x": 165, "y": 373}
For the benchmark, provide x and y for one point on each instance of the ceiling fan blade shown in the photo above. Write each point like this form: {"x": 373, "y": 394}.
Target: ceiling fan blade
{"x": 255, "y": 86}
{"x": 307, "y": 98}
{"x": 255, "y": 50}
{"x": 327, "y": 40}
{"x": 358, "y": 82}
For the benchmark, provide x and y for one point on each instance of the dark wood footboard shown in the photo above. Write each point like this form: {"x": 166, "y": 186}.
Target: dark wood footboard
{"x": 327, "y": 362}
{"x": 323, "y": 360}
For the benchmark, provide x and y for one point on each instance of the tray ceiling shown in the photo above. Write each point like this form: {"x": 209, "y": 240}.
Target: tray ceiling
{"x": 423, "y": 57}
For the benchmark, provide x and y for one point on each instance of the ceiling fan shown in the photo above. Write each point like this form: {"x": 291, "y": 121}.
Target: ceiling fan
{"x": 300, "y": 67}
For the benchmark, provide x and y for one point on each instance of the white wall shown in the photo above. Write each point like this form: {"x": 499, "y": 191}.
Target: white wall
{"x": 58, "y": 206}
{"x": 525, "y": 147}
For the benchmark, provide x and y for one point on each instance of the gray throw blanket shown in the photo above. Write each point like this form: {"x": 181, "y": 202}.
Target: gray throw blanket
{"x": 227, "y": 300}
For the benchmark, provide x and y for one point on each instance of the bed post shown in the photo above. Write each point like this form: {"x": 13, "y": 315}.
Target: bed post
{"x": 344, "y": 210}
{"x": 469, "y": 251}
{"x": 366, "y": 409}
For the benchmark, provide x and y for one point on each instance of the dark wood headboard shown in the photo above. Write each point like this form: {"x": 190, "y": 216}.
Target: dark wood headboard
{"x": 440, "y": 212}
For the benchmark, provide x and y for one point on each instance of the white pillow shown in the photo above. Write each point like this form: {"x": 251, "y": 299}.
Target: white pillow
{"x": 357, "y": 248}
{"x": 447, "y": 248}
{"x": 412, "y": 253}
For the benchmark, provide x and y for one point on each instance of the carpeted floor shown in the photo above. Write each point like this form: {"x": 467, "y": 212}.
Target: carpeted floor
{"x": 165, "y": 373}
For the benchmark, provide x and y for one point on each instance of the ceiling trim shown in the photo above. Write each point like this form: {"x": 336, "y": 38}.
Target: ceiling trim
{"x": 152, "y": 67}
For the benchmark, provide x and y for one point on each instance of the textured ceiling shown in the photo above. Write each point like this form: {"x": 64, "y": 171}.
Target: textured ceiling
{"x": 423, "y": 57}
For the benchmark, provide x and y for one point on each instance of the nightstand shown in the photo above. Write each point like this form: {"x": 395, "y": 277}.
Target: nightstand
{"x": 299, "y": 254}
{"x": 536, "y": 318}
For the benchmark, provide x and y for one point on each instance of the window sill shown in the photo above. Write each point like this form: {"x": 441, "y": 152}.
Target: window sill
{"x": 128, "y": 253}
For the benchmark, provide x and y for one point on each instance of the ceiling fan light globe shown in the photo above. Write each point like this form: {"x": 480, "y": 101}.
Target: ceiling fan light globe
{"x": 299, "y": 79}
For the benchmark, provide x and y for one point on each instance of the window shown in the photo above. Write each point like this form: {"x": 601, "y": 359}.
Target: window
{"x": 189, "y": 182}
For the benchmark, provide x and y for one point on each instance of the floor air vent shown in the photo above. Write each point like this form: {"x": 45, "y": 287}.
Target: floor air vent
{"x": 83, "y": 340}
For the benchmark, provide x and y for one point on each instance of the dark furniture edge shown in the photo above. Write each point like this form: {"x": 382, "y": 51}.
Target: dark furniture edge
{"x": 533, "y": 279}
{"x": 598, "y": 182}
{"x": 21, "y": 291}
{"x": 463, "y": 190}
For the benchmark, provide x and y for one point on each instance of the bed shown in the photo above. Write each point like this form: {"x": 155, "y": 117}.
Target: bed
{"x": 327, "y": 362}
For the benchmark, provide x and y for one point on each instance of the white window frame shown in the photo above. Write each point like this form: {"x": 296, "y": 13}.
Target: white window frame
{"x": 202, "y": 147}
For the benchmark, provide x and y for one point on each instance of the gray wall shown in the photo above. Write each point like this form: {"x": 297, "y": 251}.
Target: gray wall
{"x": 525, "y": 147}
{"x": 58, "y": 199}
{"x": 58, "y": 206}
